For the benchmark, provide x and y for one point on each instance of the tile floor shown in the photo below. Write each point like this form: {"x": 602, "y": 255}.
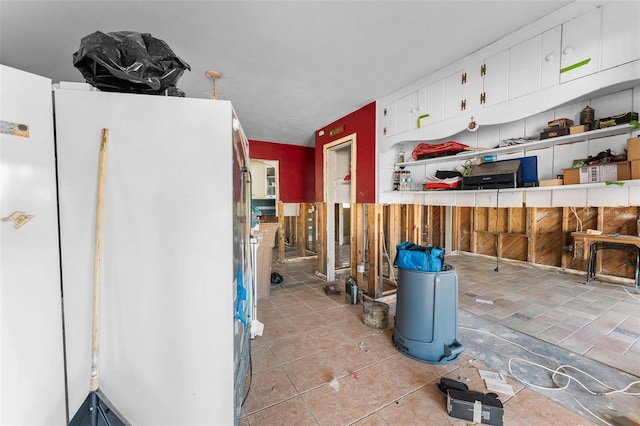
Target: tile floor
{"x": 318, "y": 364}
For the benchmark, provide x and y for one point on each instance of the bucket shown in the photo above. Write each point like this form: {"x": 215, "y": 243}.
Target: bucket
{"x": 376, "y": 314}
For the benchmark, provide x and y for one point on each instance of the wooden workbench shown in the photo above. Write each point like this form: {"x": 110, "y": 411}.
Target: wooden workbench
{"x": 593, "y": 243}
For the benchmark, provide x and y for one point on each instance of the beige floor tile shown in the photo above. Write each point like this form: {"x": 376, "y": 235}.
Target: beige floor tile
{"x": 291, "y": 412}
{"x": 336, "y": 403}
{"x": 425, "y": 406}
{"x": 371, "y": 420}
{"x": 268, "y": 388}
{"x": 292, "y": 347}
{"x": 538, "y": 410}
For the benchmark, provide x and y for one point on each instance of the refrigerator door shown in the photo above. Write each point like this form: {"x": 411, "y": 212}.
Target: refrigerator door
{"x": 170, "y": 258}
{"x": 31, "y": 348}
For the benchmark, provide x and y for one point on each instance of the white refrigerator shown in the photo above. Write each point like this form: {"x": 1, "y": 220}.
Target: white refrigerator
{"x": 32, "y": 386}
{"x": 176, "y": 271}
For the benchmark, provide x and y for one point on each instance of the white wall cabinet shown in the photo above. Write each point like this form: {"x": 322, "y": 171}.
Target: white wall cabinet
{"x": 551, "y": 57}
{"x": 495, "y": 80}
{"x": 585, "y": 53}
{"x": 581, "y": 46}
{"x": 455, "y": 95}
{"x": 264, "y": 179}
{"x": 620, "y": 33}
{"x": 258, "y": 181}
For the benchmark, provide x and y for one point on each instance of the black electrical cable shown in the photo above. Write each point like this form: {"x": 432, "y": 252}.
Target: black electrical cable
{"x": 250, "y": 376}
{"x": 497, "y": 230}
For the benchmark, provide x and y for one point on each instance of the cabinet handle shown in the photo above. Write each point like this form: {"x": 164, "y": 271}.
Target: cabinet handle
{"x": 463, "y": 104}
{"x": 384, "y": 131}
{"x": 463, "y": 78}
{"x": 483, "y": 97}
{"x": 385, "y": 112}
{"x": 567, "y": 50}
{"x": 550, "y": 57}
{"x": 483, "y": 70}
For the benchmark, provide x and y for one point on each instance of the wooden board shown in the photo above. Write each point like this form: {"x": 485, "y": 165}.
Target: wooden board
{"x": 513, "y": 246}
{"x": 545, "y": 236}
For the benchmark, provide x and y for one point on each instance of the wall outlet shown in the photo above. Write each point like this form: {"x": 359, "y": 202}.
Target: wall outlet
{"x": 360, "y": 269}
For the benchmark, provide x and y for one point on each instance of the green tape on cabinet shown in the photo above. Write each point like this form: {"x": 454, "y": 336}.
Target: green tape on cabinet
{"x": 574, "y": 66}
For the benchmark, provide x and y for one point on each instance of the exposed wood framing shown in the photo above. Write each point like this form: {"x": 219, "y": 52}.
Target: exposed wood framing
{"x": 322, "y": 237}
{"x": 374, "y": 252}
{"x": 353, "y": 240}
{"x": 302, "y": 228}
{"x": 358, "y": 243}
{"x": 393, "y": 234}
{"x": 281, "y": 237}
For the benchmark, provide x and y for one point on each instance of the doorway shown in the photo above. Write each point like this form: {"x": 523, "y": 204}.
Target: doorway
{"x": 340, "y": 195}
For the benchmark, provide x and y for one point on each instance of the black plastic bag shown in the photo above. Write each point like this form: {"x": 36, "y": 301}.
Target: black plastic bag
{"x": 276, "y": 278}
{"x": 126, "y": 61}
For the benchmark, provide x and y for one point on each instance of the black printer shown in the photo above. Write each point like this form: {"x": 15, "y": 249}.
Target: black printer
{"x": 495, "y": 175}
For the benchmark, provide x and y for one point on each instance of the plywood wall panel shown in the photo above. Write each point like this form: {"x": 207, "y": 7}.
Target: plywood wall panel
{"x": 485, "y": 243}
{"x": 464, "y": 228}
{"x": 546, "y": 236}
{"x": 513, "y": 246}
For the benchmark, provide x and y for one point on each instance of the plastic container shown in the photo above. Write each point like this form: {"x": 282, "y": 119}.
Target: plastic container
{"x": 426, "y": 321}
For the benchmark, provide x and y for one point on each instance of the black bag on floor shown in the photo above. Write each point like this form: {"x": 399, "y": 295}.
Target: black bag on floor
{"x": 276, "y": 278}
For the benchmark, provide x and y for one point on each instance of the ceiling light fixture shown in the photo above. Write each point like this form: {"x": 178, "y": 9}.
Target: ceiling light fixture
{"x": 213, "y": 74}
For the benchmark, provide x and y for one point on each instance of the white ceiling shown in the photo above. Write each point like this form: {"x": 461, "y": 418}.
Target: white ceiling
{"x": 289, "y": 67}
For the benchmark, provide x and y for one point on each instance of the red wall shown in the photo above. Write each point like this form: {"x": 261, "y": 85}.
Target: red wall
{"x": 296, "y": 177}
{"x": 363, "y": 123}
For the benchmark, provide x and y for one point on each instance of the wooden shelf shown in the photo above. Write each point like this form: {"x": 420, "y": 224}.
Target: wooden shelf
{"x": 528, "y": 146}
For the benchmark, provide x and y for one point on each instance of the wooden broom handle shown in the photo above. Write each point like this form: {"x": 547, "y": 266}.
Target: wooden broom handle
{"x": 97, "y": 262}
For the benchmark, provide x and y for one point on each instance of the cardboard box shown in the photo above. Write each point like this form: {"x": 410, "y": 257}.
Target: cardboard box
{"x": 603, "y": 172}
{"x": 554, "y": 132}
{"x": 551, "y": 182}
{"x": 614, "y": 120}
{"x": 578, "y": 129}
{"x": 560, "y": 122}
{"x": 633, "y": 149}
{"x": 635, "y": 172}
{"x": 474, "y": 406}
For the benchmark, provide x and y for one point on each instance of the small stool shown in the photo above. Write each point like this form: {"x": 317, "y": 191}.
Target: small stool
{"x": 591, "y": 269}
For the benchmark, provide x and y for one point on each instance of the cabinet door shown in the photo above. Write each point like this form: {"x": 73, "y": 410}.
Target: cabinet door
{"x": 435, "y": 102}
{"x": 409, "y": 108}
{"x": 389, "y": 115}
{"x": 495, "y": 76}
{"x": 405, "y": 112}
{"x": 620, "y": 33}
{"x": 525, "y": 67}
{"x": 581, "y": 46}
{"x": 271, "y": 182}
{"x": 257, "y": 179}
{"x": 550, "y": 68}
{"x": 454, "y": 100}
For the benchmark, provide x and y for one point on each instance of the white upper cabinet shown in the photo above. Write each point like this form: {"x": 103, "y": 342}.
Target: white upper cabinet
{"x": 455, "y": 102}
{"x": 495, "y": 80}
{"x": 409, "y": 108}
{"x": 389, "y": 119}
{"x": 525, "y": 61}
{"x": 620, "y": 33}
{"x": 581, "y": 46}
{"x": 550, "y": 66}
{"x": 534, "y": 64}
{"x": 435, "y": 102}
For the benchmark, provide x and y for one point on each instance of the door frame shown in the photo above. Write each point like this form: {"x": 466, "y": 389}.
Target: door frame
{"x": 329, "y": 178}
